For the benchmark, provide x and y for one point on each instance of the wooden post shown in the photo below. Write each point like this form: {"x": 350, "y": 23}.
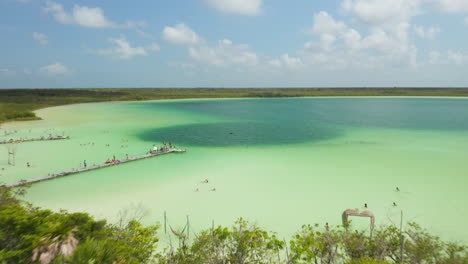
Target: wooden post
{"x": 401, "y": 221}
{"x": 165, "y": 221}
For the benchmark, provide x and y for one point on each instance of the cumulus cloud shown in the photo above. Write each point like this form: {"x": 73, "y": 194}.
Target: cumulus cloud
{"x": 286, "y": 61}
{"x": 383, "y": 12}
{"x": 325, "y": 24}
{"x": 451, "y": 6}
{"x": 275, "y": 63}
{"x": 380, "y": 39}
{"x": 427, "y": 33}
{"x": 154, "y": 47}
{"x": 84, "y": 16}
{"x": 225, "y": 53}
{"x": 122, "y": 49}
{"x": 240, "y": 7}
{"x": 181, "y": 34}
{"x": 41, "y": 38}
{"x": 90, "y": 17}
{"x": 434, "y": 57}
{"x": 339, "y": 45}
{"x": 291, "y": 62}
{"x": 27, "y": 71}
{"x": 55, "y": 69}
{"x": 7, "y": 73}
{"x": 458, "y": 58}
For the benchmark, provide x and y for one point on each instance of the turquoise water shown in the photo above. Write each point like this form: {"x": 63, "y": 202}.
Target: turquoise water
{"x": 279, "y": 162}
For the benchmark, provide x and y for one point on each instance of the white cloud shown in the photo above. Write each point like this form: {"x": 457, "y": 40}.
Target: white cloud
{"x": 458, "y": 58}
{"x": 451, "y": 6}
{"x": 352, "y": 38}
{"x": 429, "y": 33}
{"x": 123, "y": 49}
{"x": 330, "y": 32}
{"x": 27, "y": 71}
{"x": 144, "y": 34}
{"x": 55, "y": 69}
{"x": 7, "y": 73}
{"x": 286, "y": 61}
{"x": 291, "y": 62}
{"x": 59, "y": 13}
{"x": 325, "y": 24}
{"x": 84, "y": 16}
{"x": 41, "y": 38}
{"x": 383, "y": 12}
{"x": 240, "y": 7}
{"x": 340, "y": 46}
{"x": 275, "y": 63}
{"x": 154, "y": 47}
{"x": 181, "y": 34}
{"x": 224, "y": 54}
{"x": 90, "y": 17}
{"x": 434, "y": 57}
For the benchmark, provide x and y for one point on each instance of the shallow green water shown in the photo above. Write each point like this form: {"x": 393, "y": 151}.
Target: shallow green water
{"x": 280, "y": 162}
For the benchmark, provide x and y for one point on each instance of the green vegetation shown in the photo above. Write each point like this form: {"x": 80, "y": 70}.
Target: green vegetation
{"x": 18, "y": 104}
{"x": 34, "y": 235}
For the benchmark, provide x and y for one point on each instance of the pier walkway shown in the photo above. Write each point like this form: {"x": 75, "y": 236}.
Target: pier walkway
{"x": 33, "y": 139}
{"x": 56, "y": 175}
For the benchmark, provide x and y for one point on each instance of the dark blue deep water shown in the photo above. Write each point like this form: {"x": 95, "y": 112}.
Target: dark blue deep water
{"x": 296, "y": 120}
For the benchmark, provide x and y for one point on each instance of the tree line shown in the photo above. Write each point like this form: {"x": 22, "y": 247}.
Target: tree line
{"x": 33, "y": 235}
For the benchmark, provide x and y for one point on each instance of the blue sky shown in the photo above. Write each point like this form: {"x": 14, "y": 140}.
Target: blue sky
{"x": 233, "y": 43}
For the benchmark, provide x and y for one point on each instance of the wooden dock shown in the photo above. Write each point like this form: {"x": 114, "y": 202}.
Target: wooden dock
{"x": 53, "y": 176}
{"x": 33, "y": 139}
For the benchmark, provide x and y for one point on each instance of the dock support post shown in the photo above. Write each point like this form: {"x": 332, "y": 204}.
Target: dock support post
{"x": 401, "y": 221}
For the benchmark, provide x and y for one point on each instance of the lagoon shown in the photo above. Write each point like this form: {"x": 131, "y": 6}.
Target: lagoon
{"x": 279, "y": 162}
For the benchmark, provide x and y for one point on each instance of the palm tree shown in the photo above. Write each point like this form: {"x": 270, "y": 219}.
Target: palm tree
{"x": 46, "y": 252}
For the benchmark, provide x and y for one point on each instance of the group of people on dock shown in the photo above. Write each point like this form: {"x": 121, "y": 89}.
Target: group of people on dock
{"x": 113, "y": 160}
{"x": 165, "y": 147}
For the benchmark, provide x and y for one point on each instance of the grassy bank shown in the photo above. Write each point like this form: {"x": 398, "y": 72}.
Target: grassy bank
{"x": 19, "y": 104}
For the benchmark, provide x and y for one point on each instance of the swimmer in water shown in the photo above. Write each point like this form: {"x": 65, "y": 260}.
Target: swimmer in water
{"x": 365, "y": 205}
{"x": 394, "y": 204}
{"x": 397, "y": 189}
{"x": 205, "y": 181}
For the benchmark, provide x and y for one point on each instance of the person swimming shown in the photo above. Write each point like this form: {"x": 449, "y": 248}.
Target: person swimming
{"x": 397, "y": 189}
{"x": 394, "y": 204}
{"x": 205, "y": 181}
{"x": 365, "y": 205}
